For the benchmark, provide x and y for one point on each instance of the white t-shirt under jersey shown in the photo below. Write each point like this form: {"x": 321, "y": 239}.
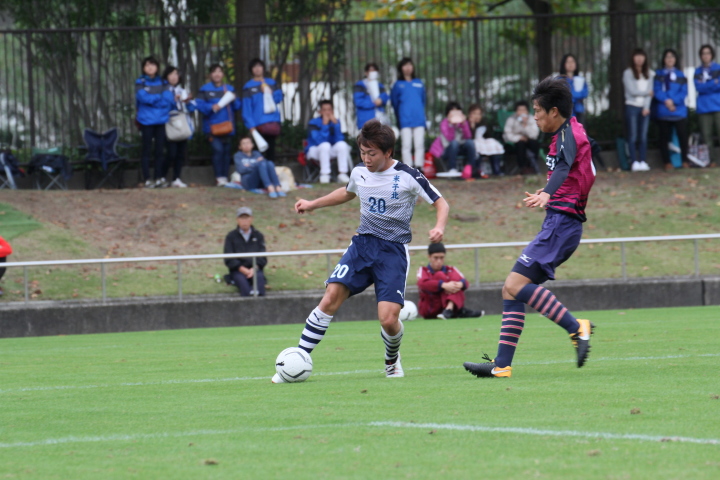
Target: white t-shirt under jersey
{"x": 387, "y": 200}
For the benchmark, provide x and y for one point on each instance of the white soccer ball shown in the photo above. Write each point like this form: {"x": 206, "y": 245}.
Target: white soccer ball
{"x": 409, "y": 311}
{"x": 294, "y": 365}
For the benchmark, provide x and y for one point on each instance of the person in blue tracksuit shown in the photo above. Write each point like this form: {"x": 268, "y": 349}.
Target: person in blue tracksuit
{"x": 206, "y": 102}
{"x": 670, "y": 90}
{"x": 570, "y": 69}
{"x": 153, "y": 100}
{"x": 260, "y": 97}
{"x": 326, "y": 142}
{"x": 408, "y": 98}
{"x": 370, "y": 97}
{"x": 707, "y": 84}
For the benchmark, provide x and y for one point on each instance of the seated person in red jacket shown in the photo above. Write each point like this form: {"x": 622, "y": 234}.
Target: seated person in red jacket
{"x": 5, "y": 250}
{"x": 246, "y": 239}
{"x": 442, "y": 288}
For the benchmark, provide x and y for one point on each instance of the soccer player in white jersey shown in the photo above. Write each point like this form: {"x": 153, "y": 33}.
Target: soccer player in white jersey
{"x": 378, "y": 254}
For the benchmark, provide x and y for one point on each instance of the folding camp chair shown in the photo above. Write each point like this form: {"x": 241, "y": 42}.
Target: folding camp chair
{"x": 311, "y": 168}
{"x": 102, "y": 157}
{"x": 50, "y": 168}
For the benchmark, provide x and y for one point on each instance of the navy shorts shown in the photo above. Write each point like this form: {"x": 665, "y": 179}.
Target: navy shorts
{"x": 553, "y": 245}
{"x": 370, "y": 260}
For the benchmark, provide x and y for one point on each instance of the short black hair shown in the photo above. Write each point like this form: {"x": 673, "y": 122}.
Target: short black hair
{"x": 214, "y": 67}
{"x": 554, "y": 92}
{"x": 709, "y": 47}
{"x": 436, "y": 248}
{"x": 452, "y": 106}
{"x": 170, "y": 69}
{"x": 521, "y": 103}
{"x": 375, "y": 134}
{"x": 254, "y": 62}
{"x": 324, "y": 102}
{"x": 147, "y": 60}
{"x": 563, "y": 70}
{"x": 400, "y": 66}
{"x": 370, "y": 65}
{"x": 675, "y": 54}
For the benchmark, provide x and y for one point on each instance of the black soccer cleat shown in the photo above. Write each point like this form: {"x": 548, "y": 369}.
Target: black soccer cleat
{"x": 581, "y": 341}
{"x": 487, "y": 369}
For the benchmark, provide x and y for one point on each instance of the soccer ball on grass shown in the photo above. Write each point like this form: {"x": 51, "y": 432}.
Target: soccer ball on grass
{"x": 408, "y": 312}
{"x": 294, "y": 365}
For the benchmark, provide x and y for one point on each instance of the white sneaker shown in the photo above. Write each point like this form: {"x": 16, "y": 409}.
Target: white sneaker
{"x": 343, "y": 178}
{"x": 394, "y": 370}
{"x": 221, "y": 181}
{"x": 637, "y": 167}
{"x": 161, "y": 183}
{"x": 149, "y": 184}
{"x": 324, "y": 178}
{"x": 453, "y": 171}
{"x": 646, "y": 167}
{"x": 177, "y": 183}
{"x": 277, "y": 379}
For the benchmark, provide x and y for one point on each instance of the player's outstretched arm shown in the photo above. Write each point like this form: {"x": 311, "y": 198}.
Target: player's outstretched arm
{"x": 336, "y": 197}
{"x": 442, "y": 209}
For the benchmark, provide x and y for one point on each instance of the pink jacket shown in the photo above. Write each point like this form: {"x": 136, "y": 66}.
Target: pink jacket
{"x": 447, "y": 132}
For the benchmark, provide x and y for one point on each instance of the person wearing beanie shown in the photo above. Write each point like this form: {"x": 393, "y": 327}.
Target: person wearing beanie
{"x": 442, "y": 288}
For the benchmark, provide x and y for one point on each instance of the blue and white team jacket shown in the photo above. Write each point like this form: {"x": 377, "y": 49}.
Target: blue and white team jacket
{"x": 387, "y": 200}
{"x": 408, "y": 100}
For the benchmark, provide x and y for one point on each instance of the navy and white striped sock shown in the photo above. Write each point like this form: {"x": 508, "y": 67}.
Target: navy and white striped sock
{"x": 316, "y": 325}
{"x": 392, "y": 343}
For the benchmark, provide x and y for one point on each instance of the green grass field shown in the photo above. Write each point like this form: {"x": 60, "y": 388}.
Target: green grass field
{"x": 195, "y": 404}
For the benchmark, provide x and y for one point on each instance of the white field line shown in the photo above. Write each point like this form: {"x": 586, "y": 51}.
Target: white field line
{"x": 322, "y": 374}
{"x": 554, "y": 433}
{"x": 433, "y": 426}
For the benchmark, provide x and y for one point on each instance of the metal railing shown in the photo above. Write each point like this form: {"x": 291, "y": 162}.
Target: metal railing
{"x": 179, "y": 259}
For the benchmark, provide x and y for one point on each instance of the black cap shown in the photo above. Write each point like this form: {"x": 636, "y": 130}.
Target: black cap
{"x": 436, "y": 248}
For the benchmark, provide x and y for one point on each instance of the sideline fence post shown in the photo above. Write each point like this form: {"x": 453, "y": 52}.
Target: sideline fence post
{"x": 697, "y": 259}
{"x": 102, "y": 277}
{"x": 179, "y": 274}
{"x": 622, "y": 255}
{"x": 27, "y": 294}
{"x": 254, "y": 267}
{"x": 477, "y": 267}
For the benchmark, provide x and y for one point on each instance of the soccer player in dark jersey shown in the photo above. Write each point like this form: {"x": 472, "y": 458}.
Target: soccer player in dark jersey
{"x": 571, "y": 174}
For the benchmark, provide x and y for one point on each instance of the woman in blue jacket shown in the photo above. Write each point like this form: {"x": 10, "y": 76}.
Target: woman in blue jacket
{"x": 207, "y": 102}
{"x": 570, "y": 69}
{"x": 669, "y": 93}
{"x": 408, "y": 99}
{"x": 153, "y": 99}
{"x": 370, "y": 97}
{"x": 707, "y": 84}
{"x": 260, "y": 97}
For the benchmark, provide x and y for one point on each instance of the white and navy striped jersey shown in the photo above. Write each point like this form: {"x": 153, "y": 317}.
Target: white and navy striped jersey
{"x": 387, "y": 200}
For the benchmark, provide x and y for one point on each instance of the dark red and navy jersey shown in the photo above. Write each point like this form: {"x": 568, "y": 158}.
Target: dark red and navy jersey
{"x": 570, "y": 144}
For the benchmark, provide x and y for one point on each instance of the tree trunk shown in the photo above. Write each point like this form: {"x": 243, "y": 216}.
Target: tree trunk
{"x": 247, "y": 40}
{"x": 622, "y": 41}
{"x": 543, "y": 36}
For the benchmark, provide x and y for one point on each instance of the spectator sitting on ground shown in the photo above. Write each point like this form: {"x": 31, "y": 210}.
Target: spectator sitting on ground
{"x": 257, "y": 173}
{"x": 5, "y": 250}
{"x": 487, "y": 147}
{"x": 455, "y": 138}
{"x": 522, "y": 130}
{"x": 326, "y": 142}
{"x": 246, "y": 239}
{"x": 442, "y": 288}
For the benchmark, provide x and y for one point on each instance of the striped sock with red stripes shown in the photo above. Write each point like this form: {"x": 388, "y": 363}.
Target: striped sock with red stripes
{"x": 513, "y": 321}
{"x": 545, "y": 302}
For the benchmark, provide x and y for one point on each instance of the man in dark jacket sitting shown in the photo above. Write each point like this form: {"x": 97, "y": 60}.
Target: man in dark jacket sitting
{"x": 246, "y": 239}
